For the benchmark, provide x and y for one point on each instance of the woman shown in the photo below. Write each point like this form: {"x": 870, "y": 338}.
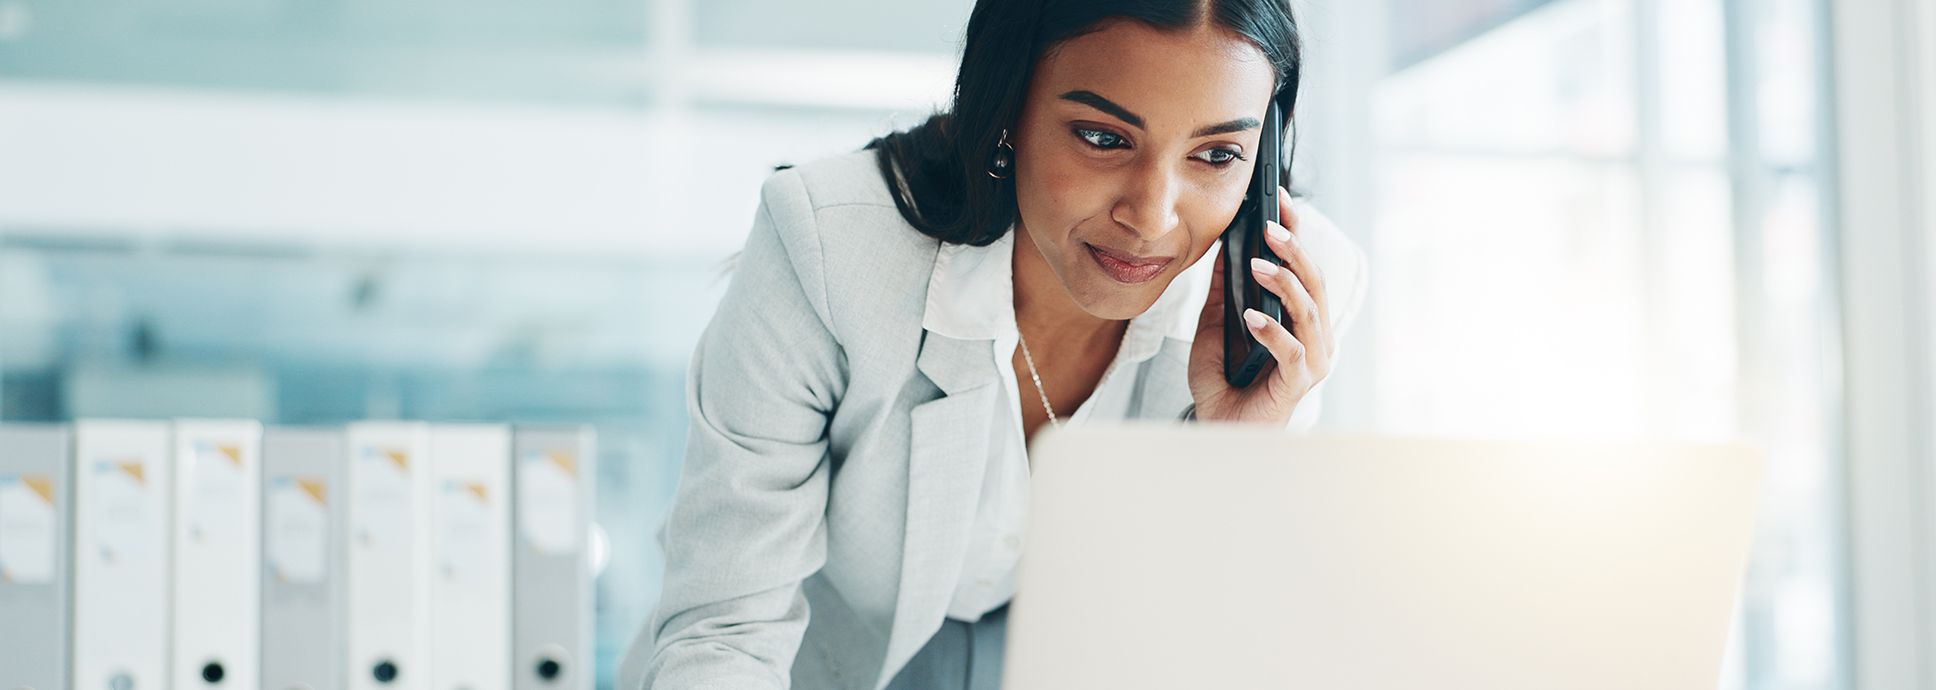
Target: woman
{"x": 856, "y": 473}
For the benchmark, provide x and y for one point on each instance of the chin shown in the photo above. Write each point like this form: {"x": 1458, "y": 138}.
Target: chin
{"x": 1107, "y": 299}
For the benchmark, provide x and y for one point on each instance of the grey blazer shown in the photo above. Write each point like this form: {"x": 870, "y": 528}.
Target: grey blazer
{"x": 836, "y": 448}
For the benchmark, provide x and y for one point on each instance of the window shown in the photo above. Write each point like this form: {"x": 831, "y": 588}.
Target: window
{"x": 1605, "y": 218}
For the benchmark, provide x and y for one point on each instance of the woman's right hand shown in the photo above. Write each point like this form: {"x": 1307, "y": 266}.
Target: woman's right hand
{"x": 1301, "y": 354}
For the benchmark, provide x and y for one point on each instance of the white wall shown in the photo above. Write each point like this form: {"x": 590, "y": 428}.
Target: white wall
{"x": 678, "y": 177}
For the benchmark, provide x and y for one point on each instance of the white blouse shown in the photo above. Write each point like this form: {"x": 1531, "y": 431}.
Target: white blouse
{"x": 971, "y": 296}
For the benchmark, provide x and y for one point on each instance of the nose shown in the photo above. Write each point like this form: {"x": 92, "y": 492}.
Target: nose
{"x": 1148, "y": 204}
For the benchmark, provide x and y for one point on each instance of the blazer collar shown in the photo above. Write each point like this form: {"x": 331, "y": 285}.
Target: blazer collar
{"x": 969, "y": 319}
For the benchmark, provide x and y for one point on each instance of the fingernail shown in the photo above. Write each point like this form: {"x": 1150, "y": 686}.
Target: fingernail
{"x": 1255, "y": 319}
{"x": 1262, "y": 267}
{"x": 1277, "y": 232}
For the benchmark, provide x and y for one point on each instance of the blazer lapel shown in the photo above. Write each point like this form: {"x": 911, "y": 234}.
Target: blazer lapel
{"x": 948, "y": 451}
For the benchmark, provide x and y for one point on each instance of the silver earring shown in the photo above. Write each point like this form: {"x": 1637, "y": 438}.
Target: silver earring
{"x": 1004, "y": 158}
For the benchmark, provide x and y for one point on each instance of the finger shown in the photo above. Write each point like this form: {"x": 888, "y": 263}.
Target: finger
{"x": 1285, "y": 214}
{"x": 1290, "y": 248}
{"x": 1307, "y": 323}
{"x": 1286, "y": 349}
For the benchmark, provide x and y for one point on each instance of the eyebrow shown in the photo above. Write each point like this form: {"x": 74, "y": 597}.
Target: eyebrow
{"x": 1095, "y": 100}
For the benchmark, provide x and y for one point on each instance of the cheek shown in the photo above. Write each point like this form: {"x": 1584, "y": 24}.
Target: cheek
{"x": 1208, "y": 218}
{"x": 1059, "y": 191}
{"x": 1220, "y": 197}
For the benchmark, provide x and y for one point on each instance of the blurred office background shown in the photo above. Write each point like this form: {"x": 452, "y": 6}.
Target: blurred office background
{"x": 1685, "y": 218}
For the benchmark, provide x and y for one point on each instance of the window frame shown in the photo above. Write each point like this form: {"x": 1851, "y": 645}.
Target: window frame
{"x": 1885, "y": 95}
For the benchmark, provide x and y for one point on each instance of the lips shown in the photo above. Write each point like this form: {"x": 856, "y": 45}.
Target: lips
{"x": 1128, "y": 268}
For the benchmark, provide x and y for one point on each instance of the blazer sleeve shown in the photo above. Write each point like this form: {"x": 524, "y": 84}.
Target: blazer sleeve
{"x": 748, "y": 523}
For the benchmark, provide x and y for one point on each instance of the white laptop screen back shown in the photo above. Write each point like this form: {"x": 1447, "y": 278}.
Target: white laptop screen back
{"x": 1167, "y": 557}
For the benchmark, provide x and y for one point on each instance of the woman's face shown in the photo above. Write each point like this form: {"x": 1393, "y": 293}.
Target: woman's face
{"x": 1132, "y": 155}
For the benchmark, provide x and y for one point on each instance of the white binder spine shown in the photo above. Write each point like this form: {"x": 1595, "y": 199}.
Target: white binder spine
{"x": 122, "y": 523}
{"x": 303, "y": 525}
{"x": 470, "y": 593}
{"x": 36, "y": 529}
{"x": 552, "y": 591}
{"x": 387, "y": 556}
{"x": 217, "y": 541}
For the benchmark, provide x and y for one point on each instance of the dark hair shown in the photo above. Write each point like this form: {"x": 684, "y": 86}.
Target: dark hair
{"x": 937, "y": 170}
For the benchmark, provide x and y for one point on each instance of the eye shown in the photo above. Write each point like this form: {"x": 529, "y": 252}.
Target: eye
{"x": 1100, "y": 139}
{"x": 1222, "y": 157}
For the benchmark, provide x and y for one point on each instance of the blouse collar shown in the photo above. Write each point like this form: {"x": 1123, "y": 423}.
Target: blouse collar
{"x": 971, "y": 296}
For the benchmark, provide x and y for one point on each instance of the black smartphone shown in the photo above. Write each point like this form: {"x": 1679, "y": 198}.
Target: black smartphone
{"x": 1243, "y": 356}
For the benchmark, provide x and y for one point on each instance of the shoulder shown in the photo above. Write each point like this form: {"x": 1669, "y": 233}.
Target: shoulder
{"x": 845, "y": 191}
{"x": 845, "y": 237}
{"x": 843, "y": 180}
{"x": 1338, "y": 256}
{"x": 1345, "y": 268}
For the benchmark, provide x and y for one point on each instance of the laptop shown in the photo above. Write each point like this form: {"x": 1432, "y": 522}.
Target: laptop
{"x": 1219, "y": 557}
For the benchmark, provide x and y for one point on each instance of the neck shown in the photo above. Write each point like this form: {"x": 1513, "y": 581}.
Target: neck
{"x": 1044, "y": 311}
